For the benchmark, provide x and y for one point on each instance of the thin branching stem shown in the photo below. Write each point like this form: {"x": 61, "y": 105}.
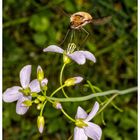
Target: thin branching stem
{"x": 79, "y": 99}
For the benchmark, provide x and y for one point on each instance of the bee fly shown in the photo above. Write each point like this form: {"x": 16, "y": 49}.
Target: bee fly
{"x": 80, "y": 19}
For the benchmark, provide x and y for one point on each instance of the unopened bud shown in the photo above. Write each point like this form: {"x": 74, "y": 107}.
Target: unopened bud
{"x": 57, "y": 105}
{"x": 40, "y": 123}
{"x": 44, "y": 83}
{"x": 41, "y": 98}
{"x": 34, "y": 94}
{"x": 39, "y": 106}
{"x": 73, "y": 81}
{"x": 40, "y": 73}
{"x": 36, "y": 101}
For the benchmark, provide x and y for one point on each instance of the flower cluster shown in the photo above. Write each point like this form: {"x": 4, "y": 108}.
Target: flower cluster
{"x": 35, "y": 91}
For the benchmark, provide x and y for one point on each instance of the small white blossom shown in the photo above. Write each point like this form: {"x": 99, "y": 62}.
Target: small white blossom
{"x": 77, "y": 56}
{"x": 84, "y": 128}
{"x": 21, "y": 94}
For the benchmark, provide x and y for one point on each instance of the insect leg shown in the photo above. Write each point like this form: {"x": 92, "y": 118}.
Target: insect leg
{"x": 87, "y": 34}
{"x": 65, "y": 37}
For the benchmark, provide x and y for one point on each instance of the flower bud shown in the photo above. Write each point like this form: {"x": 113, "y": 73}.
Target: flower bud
{"x": 44, "y": 87}
{"x": 41, "y": 98}
{"x": 39, "y": 106}
{"x": 73, "y": 81}
{"x": 44, "y": 83}
{"x": 36, "y": 101}
{"x": 40, "y": 123}
{"x": 34, "y": 94}
{"x": 40, "y": 73}
{"x": 57, "y": 105}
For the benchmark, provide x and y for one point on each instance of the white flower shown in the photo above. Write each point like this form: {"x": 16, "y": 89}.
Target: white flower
{"x": 77, "y": 56}
{"x": 84, "y": 128}
{"x": 21, "y": 94}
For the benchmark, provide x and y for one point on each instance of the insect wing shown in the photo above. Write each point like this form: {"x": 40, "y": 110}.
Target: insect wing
{"x": 101, "y": 21}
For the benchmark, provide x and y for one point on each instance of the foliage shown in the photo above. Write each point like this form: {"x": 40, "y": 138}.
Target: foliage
{"x": 30, "y": 26}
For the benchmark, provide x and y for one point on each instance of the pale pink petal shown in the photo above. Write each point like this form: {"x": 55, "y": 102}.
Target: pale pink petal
{"x": 53, "y": 48}
{"x": 81, "y": 114}
{"x": 44, "y": 82}
{"x": 78, "y": 79}
{"x": 58, "y": 106}
{"x": 20, "y": 107}
{"x": 93, "y": 111}
{"x": 41, "y": 128}
{"x": 89, "y": 55}
{"x": 34, "y": 86}
{"x": 77, "y": 57}
{"x": 79, "y": 134}
{"x": 25, "y": 75}
{"x": 93, "y": 131}
{"x": 12, "y": 94}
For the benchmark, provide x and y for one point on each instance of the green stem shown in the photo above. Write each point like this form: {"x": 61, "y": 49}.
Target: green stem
{"x": 67, "y": 115}
{"x": 56, "y": 91}
{"x": 79, "y": 99}
{"x": 41, "y": 112}
{"x": 116, "y": 107}
{"x": 61, "y": 79}
{"x": 115, "y": 95}
{"x": 93, "y": 88}
{"x": 102, "y": 117}
{"x": 71, "y": 37}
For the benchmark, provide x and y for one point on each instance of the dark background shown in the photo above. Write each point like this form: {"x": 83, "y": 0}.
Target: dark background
{"x": 31, "y": 25}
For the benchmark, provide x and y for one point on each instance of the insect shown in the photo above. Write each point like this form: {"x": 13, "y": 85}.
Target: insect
{"x": 79, "y": 19}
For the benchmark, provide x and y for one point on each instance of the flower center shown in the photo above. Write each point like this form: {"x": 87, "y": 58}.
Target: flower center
{"x": 71, "y": 48}
{"x": 80, "y": 123}
{"x": 25, "y": 91}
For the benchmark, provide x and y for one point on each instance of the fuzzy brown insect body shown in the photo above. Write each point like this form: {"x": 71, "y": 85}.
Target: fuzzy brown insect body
{"x": 80, "y": 19}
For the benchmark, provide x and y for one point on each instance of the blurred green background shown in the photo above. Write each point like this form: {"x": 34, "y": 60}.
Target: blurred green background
{"x": 31, "y": 25}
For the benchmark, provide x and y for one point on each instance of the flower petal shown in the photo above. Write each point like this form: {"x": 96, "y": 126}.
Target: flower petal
{"x": 25, "y": 75}
{"x": 20, "y": 107}
{"x": 12, "y": 94}
{"x": 79, "y": 134}
{"x": 81, "y": 114}
{"x": 34, "y": 86}
{"x": 44, "y": 82}
{"x": 93, "y": 131}
{"x": 89, "y": 55}
{"x": 78, "y": 79}
{"x": 93, "y": 111}
{"x": 78, "y": 57}
{"x": 53, "y": 48}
